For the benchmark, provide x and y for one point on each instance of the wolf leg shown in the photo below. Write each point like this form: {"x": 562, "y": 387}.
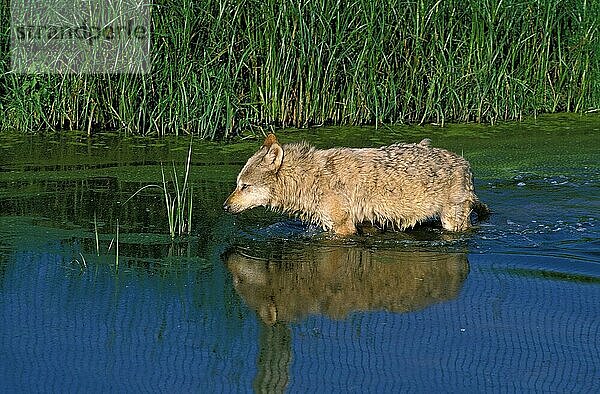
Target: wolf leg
{"x": 456, "y": 217}
{"x": 344, "y": 228}
{"x": 340, "y": 220}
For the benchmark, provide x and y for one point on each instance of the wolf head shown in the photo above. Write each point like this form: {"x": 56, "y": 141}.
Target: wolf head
{"x": 256, "y": 178}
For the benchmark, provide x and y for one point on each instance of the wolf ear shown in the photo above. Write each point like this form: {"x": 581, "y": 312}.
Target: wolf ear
{"x": 270, "y": 140}
{"x": 274, "y": 156}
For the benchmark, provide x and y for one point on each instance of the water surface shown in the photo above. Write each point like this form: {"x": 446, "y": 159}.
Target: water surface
{"x": 261, "y": 302}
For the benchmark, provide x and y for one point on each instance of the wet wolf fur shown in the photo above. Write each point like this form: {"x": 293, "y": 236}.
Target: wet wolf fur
{"x": 394, "y": 186}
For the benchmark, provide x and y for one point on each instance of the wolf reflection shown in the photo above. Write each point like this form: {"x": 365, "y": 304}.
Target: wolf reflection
{"x": 289, "y": 284}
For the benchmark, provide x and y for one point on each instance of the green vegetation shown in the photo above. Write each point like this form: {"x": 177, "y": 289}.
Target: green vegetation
{"x": 178, "y": 207}
{"x": 222, "y": 68}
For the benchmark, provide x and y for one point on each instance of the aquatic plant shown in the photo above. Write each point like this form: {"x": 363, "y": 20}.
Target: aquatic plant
{"x": 178, "y": 199}
{"x": 117, "y": 249}
{"x": 114, "y": 241}
{"x": 96, "y": 237}
{"x": 179, "y": 206}
{"x": 220, "y": 68}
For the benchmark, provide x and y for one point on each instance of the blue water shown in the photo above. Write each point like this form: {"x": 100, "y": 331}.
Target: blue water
{"x": 260, "y": 302}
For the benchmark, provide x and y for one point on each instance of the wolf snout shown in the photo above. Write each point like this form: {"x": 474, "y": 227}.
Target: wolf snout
{"x": 229, "y": 207}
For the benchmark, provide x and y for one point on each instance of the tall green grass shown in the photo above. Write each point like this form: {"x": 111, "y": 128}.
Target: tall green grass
{"x": 178, "y": 198}
{"x": 223, "y": 67}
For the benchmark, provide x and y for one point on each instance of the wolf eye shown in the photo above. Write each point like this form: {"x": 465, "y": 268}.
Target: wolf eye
{"x": 245, "y": 186}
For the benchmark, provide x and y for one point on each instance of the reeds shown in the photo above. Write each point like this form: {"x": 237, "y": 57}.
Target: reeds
{"x": 178, "y": 197}
{"x": 179, "y": 205}
{"x": 219, "y": 68}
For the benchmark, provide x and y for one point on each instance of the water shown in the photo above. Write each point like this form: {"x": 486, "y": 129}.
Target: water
{"x": 261, "y": 302}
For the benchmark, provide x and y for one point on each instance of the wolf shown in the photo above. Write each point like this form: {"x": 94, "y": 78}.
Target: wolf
{"x": 340, "y": 189}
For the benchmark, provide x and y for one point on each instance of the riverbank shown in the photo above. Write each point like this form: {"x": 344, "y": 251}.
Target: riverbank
{"x": 221, "y": 70}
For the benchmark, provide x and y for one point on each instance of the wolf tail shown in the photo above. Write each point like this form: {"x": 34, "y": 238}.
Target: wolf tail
{"x": 482, "y": 210}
